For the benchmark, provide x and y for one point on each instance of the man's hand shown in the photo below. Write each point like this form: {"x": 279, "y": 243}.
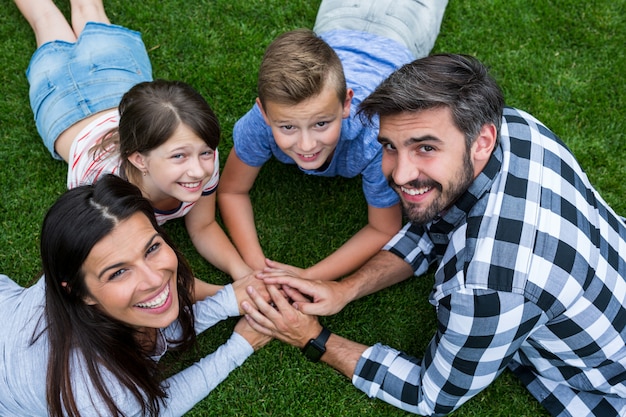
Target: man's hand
{"x": 280, "y": 319}
{"x": 321, "y": 298}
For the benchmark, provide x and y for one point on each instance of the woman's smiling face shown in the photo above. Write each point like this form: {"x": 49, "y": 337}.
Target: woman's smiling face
{"x": 131, "y": 275}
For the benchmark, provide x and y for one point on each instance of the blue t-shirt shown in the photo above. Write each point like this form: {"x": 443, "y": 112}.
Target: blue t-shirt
{"x": 367, "y": 60}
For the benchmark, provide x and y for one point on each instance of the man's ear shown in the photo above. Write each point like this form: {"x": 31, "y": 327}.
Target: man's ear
{"x": 484, "y": 144}
{"x": 267, "y": 120}
{"x": 138, "y": 161}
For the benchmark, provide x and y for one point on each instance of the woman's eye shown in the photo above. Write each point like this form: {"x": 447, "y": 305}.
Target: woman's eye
{"x": 116, "y": 274}
{"x": 153, "y": 248}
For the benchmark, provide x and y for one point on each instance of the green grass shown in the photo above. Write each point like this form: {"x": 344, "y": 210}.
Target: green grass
{"x": 561, "y": 60}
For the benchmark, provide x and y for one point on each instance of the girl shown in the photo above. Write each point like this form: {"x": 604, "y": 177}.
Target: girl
{"x": 163, "y": 138}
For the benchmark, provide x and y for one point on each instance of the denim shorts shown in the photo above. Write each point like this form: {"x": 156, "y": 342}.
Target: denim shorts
{"x": 413, "y": 23}
{"x": 72, "y": 81}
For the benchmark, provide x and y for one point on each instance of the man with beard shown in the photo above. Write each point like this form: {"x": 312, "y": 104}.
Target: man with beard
{"x": 529, "y": 259}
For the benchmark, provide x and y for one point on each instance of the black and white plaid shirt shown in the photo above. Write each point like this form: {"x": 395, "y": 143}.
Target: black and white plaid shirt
{"x": 531, "y": 275}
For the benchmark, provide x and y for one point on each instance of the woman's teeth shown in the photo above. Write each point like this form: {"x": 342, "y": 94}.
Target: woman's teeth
{"x": 158, "y": 301}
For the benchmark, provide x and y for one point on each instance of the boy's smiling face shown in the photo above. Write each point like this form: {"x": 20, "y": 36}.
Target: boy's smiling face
{"x": 308, "y": 132}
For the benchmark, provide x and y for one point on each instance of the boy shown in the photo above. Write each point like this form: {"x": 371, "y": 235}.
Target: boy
{"x": 309, "y": 86}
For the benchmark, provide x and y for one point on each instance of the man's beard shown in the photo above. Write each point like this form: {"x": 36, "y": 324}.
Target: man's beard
{"x": 418, "y": 214}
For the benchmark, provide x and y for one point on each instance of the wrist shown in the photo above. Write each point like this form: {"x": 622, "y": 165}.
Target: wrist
{"x": 315, "y": 348}
{"x": 347, "y": 291}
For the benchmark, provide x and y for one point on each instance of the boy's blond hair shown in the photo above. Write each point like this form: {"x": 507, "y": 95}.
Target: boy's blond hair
{"x": 296, "y": 66}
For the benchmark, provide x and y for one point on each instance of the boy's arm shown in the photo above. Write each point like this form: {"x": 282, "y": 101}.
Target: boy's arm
{"x": 383, "y": 224}
{"x": 211, "y": 241}
{"x": 236, "y": 209}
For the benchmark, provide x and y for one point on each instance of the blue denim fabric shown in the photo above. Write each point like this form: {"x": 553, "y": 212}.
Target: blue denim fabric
{"x": 71, "y": 81}
{"x": 413, "y": 23}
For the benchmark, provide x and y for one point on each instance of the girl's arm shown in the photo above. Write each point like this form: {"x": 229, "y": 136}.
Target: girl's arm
{"x": 236, "y": 208}
{"x": 211, "y": 241}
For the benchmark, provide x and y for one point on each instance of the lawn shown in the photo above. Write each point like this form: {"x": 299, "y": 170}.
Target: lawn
{"x": 561, "y": 60}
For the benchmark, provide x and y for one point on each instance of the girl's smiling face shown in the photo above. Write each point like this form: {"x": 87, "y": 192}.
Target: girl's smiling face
{"x": 131, "y": 275}
{"x": 178, "y": 169}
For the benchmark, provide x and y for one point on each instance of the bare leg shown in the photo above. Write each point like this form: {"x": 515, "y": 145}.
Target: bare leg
{"x": 46, "y": 20}
{"x": 84, "y": 11}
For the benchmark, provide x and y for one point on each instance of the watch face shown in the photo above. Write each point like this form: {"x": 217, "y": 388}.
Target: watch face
{"x": 313, "y": 352}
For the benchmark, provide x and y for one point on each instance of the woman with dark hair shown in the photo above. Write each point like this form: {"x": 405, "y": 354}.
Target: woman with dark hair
{"x": 115, "y": 297}
{"x": 96, "y": 107}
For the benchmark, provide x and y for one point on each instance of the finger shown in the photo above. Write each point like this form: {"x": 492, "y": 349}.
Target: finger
{"x": 282, "y": 304}
{"x": 257, "y": 316}
{"x": 261, "y": 302}
{"x": 294, "y": 294}
{"x": 258, "y": 327}
{"x": 317, "y": 308}
{"x": 267, "y": 272}
{"x": 305, "y": 286}
{"x": 272, "y": 264}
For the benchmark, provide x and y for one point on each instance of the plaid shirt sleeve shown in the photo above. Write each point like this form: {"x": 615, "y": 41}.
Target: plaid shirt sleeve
{"x": 413, "y": 245}
{"x": 479, "y": 332}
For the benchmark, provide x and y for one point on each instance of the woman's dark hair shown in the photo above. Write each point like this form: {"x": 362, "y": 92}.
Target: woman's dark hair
{"x": 458, "y": 82}
{"x": 78, "y": 220}
{"x": 150, "y": 113}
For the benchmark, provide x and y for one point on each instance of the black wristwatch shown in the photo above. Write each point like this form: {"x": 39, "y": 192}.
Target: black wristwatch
{"x": 316, "y": 347}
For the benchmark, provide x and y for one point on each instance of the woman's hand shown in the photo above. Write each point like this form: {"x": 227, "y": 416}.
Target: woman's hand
{"x": 257, "y": 340}
{"x": 249, "y": 281}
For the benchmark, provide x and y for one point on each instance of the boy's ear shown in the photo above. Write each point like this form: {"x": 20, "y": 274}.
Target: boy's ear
{"x": 347, "y": 102}
{"x": 258, "y": 103}
{"x": 138, "y": 161}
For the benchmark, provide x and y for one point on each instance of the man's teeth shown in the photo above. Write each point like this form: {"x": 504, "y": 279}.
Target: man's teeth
{"x": 415, "y": 191}
{"x": 158, "y": 301}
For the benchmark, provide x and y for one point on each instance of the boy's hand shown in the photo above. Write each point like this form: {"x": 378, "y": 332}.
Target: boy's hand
{"x": 274, "y": 268}
{"x": 320, "y": 298}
